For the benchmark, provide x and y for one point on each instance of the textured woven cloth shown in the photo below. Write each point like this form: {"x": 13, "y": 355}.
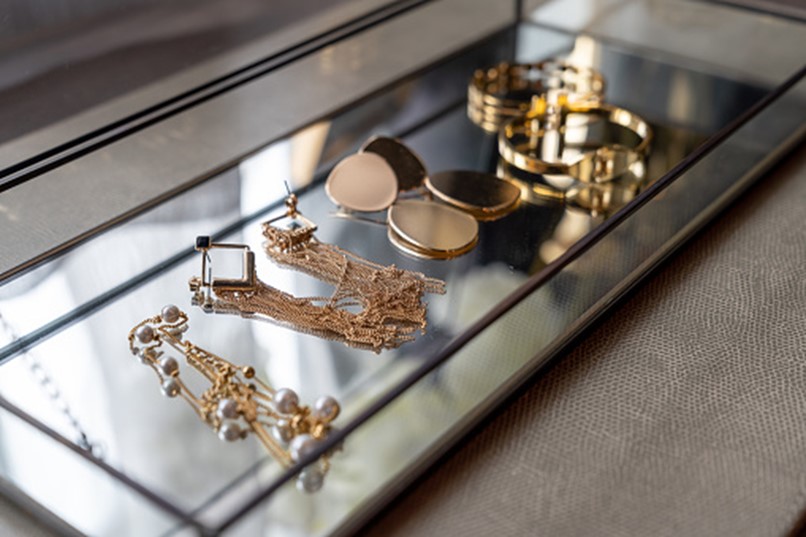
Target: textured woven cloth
{"x": 684, "y": 413}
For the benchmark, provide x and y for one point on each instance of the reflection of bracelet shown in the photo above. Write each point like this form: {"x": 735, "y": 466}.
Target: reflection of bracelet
{"x": 505, "y": 91}
{"x": 595, "y": 199}
{"x": 555, "y": 140}
{"x": 236, "y": 403}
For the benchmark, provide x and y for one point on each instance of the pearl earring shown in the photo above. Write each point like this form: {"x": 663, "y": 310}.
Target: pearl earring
{"x": 237, "y": 402}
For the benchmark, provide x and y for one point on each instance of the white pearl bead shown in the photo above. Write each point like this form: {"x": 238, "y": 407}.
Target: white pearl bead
{"x": 169, "y": 366}
{"x": 144, "y": 334}
{"x": 170, "y": 313}
{"x": 326, "y": 408}
{"x": 301, "y": 446}
{"x": 310, "y": 480}
{"x": 229, "y": 432}
{"x": 282, "y": 431}
{"x": 286, "y": 401}
{"x": 227, "y": 409}
{"x": 170, "y": 387}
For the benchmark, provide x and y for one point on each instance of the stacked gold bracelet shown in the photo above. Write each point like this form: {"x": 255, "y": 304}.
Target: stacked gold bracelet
{"x": 505, "y": 91}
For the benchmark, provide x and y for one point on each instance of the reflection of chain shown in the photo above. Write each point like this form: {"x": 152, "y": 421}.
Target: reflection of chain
{"x": 54, "y": 394}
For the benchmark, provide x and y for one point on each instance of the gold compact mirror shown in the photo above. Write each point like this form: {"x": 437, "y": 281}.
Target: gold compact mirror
{"x": 362, "y": 182}
{"x": 407, "y": 166}
{"x": 483, "y": 195}
{"x": 430, "y": 230}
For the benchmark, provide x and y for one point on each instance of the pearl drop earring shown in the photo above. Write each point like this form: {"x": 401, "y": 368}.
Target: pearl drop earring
{"x": 237, "y": 402}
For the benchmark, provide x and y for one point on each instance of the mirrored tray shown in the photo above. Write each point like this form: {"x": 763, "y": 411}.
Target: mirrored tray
{"x": 537, "y": 278}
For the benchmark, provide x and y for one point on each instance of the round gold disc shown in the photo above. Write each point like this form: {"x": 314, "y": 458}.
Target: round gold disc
{"x": 362, "y": 182}
{"x": 483, "y": 195}
{"x": 431, "y": 230}
{"x": 408, "y": 167}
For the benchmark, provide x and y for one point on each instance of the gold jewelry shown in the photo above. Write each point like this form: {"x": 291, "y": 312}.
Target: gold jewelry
{"x": 593, "y": 198}
{"x": 503, "y": 92}
{"x": 553, "y": 139}
{"x": 421, "y": 228}
{"x": 237, "y": 402}
{"x": 389, "y": 298}
{"x": 483, "y": 195}
{"x": 533, "y": 189}
{"x": 431, "y": 230}
{"x": 362, "y": 182}
{"x": 407, "y": 166}
{"x": 395, "y": 295}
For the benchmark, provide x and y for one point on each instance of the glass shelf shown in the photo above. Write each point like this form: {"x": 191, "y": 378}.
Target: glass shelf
{"x": 73, "y": 72}
{"x": 536, "y": 279}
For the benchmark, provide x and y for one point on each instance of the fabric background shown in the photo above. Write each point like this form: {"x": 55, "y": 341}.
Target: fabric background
{"x": 681, "y": 414}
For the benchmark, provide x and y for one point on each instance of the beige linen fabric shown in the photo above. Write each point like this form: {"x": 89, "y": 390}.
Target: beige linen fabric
{"x": 684, "y": 413}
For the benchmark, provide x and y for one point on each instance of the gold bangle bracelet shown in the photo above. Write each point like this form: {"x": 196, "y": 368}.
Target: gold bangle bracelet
{"x": 505, "y": 91}
{"x": 538, "y": 142}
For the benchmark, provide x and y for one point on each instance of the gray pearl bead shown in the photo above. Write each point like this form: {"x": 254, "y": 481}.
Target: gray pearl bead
{"x": 170, "y": 313}
{"x": 169, "y": 366}
{"x": 310, "y": 480}
{"x": 170, "y": 387}
{"x": 229, "y": 432}
{"x": 286, "y": 400}
{"x": 144, "y": 334}
{"x": 301, "y": 446}
{"x": 227, "y": 409}
{"x": 282, "y": 431}
{"x": 326, "y": 408}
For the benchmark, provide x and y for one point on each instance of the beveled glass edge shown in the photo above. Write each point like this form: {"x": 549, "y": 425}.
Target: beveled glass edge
{"x": 764, "y": 7}
{"x": 635, "y": 23}
{"x": 29, "y": 507}
{"x": 194, "y": 83}
{"x": 165, "y": 505}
